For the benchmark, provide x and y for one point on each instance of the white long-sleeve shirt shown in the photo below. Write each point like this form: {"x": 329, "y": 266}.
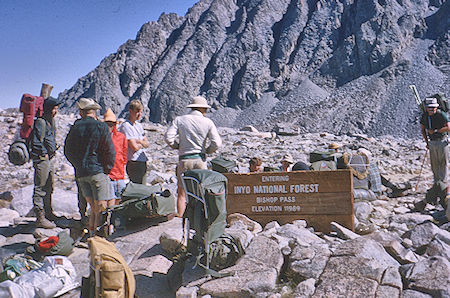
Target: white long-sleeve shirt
{"x": 193, "y": 130}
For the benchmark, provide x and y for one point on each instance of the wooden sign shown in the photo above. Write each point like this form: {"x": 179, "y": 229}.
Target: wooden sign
{"x": 319, "y": 197}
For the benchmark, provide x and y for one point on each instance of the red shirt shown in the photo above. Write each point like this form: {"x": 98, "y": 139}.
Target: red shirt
{"x": 121, "y": 147}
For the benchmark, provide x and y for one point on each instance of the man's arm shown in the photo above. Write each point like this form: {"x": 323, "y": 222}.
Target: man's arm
{"x": 171, "y": 135}
{"x": 215, "y": 139}
{"x": 106, "y": 148}
{"x": 38, "y": 138}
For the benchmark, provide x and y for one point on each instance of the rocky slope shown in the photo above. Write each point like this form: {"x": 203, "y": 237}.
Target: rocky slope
{"x": 335, "y": 66}
{"x": 395, "y": 251}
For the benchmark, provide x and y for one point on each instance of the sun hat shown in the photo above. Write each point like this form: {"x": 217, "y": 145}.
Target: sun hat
{"x": 198, "y": 102}
{"x": 109, "y": 116}
{"x": 431, "y": 102}
{"x": 88, "y": 104}
{"x": 333, "y": 146}
{"x": 288, "y": 158}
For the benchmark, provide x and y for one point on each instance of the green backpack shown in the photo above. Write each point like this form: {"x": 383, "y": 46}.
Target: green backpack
{"x": 222, "y": 165}
{"x": 324, "y": 160}
{"x": 143, "y": 201}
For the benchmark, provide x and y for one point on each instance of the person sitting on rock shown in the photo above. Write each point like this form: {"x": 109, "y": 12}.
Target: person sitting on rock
{"x": 255, "y": 165}
{"x": 286, "y": 163}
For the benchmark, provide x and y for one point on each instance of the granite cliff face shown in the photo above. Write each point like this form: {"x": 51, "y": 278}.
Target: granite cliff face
{"x": 339, "y": 66}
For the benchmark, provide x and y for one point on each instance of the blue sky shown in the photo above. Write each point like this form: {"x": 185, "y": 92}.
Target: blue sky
{"x": 59, "y": 41}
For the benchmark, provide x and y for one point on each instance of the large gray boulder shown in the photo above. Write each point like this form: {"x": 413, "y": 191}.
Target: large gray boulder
{"x": 356, "y": 266}
{"x": 430, "y": 276}
{"x": 257, "y": 271}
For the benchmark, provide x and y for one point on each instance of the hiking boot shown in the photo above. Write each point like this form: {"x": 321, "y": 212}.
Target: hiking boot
{"x": 420, "y": 206}
{"x": 42, "y": 222}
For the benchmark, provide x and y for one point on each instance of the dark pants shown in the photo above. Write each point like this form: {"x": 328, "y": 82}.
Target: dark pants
{"x": 136, "y": 171}
{"x": 82, "y": 204}
{"x": 43, "y": 185}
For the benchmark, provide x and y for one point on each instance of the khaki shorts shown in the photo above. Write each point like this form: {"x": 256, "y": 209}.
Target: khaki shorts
{"x": 189, "y": 164}
{"x": 97, "y": 187}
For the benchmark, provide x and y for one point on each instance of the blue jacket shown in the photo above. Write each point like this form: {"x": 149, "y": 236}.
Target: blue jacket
{"x": 89, "y": 147}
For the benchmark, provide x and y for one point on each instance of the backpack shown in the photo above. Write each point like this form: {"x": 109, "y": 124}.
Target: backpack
{"x": 324, "y": 160}
{"x": 32, "y": 108}
{"x": 222, "y": 165}
{"x": 205, "y": 214}
{"x": 110, "y": 275}
{"x": 139, "y": 202}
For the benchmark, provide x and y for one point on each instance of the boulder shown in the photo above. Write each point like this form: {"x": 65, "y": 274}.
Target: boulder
{"x": 308, "y": 262}
{"x": 8, "y": 216}
{"x": 430, "y": 276}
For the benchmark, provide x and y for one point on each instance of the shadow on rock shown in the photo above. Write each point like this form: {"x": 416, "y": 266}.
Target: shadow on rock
{"x": 155, "y": 286}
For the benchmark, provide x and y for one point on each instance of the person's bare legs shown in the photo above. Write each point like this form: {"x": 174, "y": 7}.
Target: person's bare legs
{"x": 91, "y": 204}
{"x": 181, "y": 201}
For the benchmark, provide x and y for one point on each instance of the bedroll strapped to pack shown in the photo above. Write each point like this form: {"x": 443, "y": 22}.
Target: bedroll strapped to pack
{"x": 110, "y": 275}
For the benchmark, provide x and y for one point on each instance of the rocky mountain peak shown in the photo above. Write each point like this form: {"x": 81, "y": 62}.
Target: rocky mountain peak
{"x": 339, "y": 66}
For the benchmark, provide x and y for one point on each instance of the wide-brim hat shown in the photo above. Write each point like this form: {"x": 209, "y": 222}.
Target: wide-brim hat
{"x": 109, "y": 116}
{"x": 88, "y": 104}
{"x": 198, "y": 102}
{"x": 333, "y": 146}
{"x": 431, "y": 102}
{"x": 287, "y": 158}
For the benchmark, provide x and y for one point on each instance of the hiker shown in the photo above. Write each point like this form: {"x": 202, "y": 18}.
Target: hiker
{"x": 192, "y": 131}
{"x": 286, "y": 163}
{"x": 255, "y": 165}
{"x": 134, "y": 132}
{"x": 117, "y": 174}
{"x": 90, "y": 150}
{"x": 43, "y": 148}
{"x": 435, "y": 126}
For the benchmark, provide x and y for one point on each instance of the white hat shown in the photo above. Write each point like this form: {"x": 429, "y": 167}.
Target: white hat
{"x": 288, "y": 158}
{"x": 88, "y": 104}
{"x": 431, "y": 102}
{"x": 198, "y": 102}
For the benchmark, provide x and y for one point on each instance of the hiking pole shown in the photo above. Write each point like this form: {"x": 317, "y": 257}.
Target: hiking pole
{"x": 421, "y": 168}
{"x": 416, "y": 94}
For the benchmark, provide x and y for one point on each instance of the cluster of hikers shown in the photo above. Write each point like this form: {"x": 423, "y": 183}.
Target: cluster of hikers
{"x": 101, "y": 153}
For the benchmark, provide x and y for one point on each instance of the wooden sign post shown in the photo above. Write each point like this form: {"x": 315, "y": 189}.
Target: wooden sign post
{"x": 319, "y": 197}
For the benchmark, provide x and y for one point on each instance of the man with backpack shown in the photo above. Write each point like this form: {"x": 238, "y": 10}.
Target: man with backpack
{"x": 90, "y": 150}
{"x": 192, "y": 131}
{"x": 435, "y": 126}
{"x": 42, "y": 150}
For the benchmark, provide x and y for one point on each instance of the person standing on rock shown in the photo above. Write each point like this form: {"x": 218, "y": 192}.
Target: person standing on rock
{"x": 192, "y": 130}
{"x": 435, "y": 126}
{"x": 134, "y": 132}
{"x": 43, "y": 148}
{"x": 117, "y": 174}
{"x": 90, "y": 150}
